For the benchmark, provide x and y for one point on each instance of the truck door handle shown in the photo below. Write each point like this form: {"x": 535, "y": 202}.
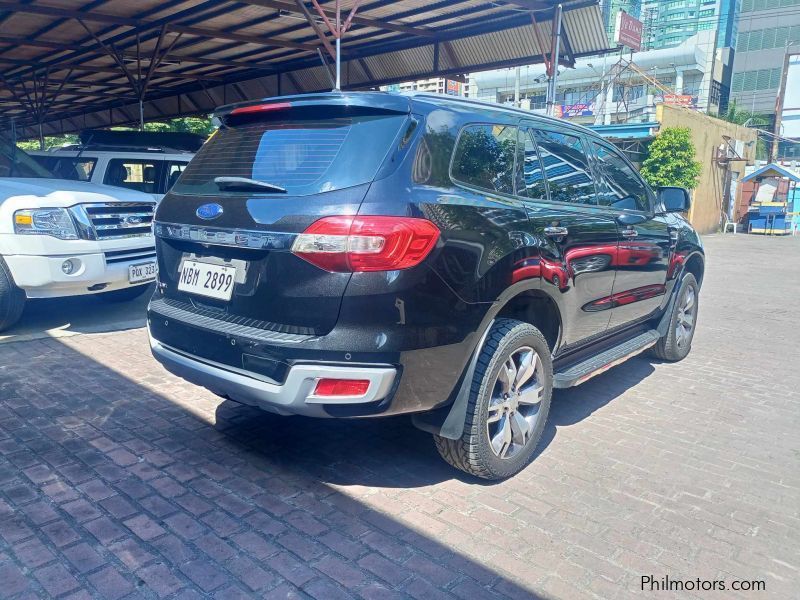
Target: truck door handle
{"x": 630, "y": 232}
{"x": 556, "y": 231}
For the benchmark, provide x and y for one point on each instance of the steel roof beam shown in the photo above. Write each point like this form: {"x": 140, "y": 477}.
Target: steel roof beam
{"x": 360, "y": 20}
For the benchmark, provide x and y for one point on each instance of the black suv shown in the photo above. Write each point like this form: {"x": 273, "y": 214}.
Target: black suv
{"x": 372, "y": 254}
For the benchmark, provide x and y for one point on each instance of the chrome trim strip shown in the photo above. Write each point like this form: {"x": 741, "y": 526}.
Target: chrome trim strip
{"x": 218, "y": 236}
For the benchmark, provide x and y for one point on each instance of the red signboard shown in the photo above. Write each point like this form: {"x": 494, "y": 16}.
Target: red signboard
{"x": 680, "y": 100}
{"x": 629, "y": 31}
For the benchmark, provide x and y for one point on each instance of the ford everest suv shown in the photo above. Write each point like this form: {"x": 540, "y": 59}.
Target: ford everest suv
{"x": 68, "y": 238}
{"x": 372, "y": 254}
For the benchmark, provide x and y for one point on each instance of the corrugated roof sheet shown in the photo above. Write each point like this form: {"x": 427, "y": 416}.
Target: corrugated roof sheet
{"x": 220, "y": 51}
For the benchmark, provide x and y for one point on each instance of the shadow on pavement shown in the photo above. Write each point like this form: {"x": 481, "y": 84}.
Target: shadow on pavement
{"x": 391, "y": 452}
{"x": 109, "y": 487}
{"x": 59, "y": 317}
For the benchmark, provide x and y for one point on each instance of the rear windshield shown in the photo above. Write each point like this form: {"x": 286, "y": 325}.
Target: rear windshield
{"x": 302, "y": 155}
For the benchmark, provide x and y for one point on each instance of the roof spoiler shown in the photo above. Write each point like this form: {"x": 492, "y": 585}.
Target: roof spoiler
{"x": 378, "y": 101}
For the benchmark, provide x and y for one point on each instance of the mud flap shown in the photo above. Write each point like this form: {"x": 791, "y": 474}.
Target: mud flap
{"x": 448, "y": 422}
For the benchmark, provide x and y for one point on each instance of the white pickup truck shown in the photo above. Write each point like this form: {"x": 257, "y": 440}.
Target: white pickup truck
{"x": 67, "y": 238}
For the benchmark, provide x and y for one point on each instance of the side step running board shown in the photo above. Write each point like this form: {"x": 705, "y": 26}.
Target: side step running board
{"x": 583, "y": 371}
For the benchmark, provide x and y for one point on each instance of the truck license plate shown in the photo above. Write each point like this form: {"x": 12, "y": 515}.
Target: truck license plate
{"x": 205, "y": 279}
{"x": 142, "y": 272}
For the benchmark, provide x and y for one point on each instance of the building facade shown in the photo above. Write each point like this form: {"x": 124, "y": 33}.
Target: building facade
{"x": 668, "y": 23}
{"x": 768, "y": 31}
{"x": 436, "y": 85}
{"x": 603, "y": 90}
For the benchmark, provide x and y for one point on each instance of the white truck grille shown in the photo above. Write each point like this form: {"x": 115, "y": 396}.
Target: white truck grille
{"x": 121, "y": 219}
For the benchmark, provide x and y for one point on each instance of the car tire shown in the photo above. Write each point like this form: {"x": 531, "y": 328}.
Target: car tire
{"x": 12, "y": 299}
{"x": 125, "y": 294}
{"x": 677, "y": 343}
{"x": 508, "y": 403}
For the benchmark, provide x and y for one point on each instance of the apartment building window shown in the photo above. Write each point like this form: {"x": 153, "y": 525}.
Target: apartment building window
{"x": 764, "y": 39}
{"x": 761, "y": 79}
{"x": 756, "y": 5}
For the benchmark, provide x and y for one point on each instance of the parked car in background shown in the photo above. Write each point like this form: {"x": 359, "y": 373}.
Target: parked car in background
{"x": 372, "y": 254}
{"x": 148, "y": 162}
{"x": 62, "y": 237}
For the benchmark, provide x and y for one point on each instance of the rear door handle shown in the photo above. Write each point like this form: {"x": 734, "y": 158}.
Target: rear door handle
{"x": 556, "y": 231}
{"x": 630, "y": 233}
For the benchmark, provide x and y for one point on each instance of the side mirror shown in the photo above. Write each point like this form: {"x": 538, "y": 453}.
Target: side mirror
{"x": 674, "y": 199}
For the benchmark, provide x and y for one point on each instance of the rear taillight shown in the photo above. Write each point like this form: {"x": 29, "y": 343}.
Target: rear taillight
{"x": 259, "y": 108}
{"x": 348, "y": 244}
{"x": 341, "y": 387}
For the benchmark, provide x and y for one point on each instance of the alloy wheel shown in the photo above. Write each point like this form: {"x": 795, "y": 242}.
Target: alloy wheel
{"x": 686, "y": 315}
{"x": 516, "y": 399}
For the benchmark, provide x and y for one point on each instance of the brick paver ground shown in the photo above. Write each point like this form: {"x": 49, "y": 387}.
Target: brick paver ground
{"x": 118, "y": 480}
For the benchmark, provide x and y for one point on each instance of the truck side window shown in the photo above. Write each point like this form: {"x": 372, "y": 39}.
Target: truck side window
{"x": 566, "y": 167}
{"x": 484, "y": 157}
{"x": 141, "y": 175}
{"x": 619, "y": 186}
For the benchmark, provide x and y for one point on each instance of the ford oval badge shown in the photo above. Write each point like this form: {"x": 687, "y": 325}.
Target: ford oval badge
{"x": 209, "y": 211}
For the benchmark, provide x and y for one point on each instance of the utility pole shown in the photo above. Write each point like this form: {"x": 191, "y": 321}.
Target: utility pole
{"x": 552, "y": 85}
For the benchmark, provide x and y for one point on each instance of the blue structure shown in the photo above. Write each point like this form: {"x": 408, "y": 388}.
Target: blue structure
{"x": 778, "y": 215}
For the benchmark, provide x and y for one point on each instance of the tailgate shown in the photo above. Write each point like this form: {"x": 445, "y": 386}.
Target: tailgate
{"x": 323, "y": 161}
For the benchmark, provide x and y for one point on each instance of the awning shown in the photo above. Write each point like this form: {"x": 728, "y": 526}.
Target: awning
{"x": 74, "y": 65}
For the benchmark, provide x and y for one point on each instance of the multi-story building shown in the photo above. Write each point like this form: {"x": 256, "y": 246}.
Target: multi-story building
{"x": 437, "y": 85}
{"x": 610, "y": 10}
{"x": 668, "y": 23}
{"x": 768, "y": 31}
{"x": 605, "y": 90}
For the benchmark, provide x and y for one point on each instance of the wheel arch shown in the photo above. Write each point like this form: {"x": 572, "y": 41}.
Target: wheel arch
{"x": 536, "y": 307}
{"x": 696, "y": 265}
{"x": 524, "y": 299}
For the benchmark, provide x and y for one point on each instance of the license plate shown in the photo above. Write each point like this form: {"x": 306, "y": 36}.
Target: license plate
{"x": 142, "y": 272}
{"x": 205, "y": 279}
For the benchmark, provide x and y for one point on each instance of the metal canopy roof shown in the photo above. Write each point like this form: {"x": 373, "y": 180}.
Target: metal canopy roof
{"x": 77, "y": 64}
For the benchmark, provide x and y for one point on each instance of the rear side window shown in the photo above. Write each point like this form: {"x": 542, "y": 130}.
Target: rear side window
{"x": 619, "y": 187}
{"x": 301, "y": 154}
{"x": 76, "y": 169}
{"x": 140, "y": 175}
{"x": 566, "y": 167}
{"x": 484, "y": 157}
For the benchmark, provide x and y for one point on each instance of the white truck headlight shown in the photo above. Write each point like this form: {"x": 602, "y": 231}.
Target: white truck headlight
{"x": 56, "y": 222}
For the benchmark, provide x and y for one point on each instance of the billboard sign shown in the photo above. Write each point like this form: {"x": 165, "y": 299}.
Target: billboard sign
{"x": 684, "y": 100}
{"x": 629, "y": 31}
{"x": 568, "y": 111}
{"x": 453, "y": 88}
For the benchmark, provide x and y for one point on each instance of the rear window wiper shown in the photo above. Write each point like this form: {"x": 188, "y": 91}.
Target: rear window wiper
{"x": 244, "y": 183}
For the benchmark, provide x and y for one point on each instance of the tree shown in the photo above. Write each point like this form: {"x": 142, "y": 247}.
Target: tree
{"x": 747, "y": 118}
{"x": 671, "y": 159}
{"x": 201, "y": 125}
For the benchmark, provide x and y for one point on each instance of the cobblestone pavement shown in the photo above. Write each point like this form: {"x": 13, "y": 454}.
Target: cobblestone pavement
{"x": 119, "y": 480}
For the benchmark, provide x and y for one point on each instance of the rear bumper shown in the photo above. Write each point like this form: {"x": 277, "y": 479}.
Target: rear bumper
{"x": 292, "y": 397}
